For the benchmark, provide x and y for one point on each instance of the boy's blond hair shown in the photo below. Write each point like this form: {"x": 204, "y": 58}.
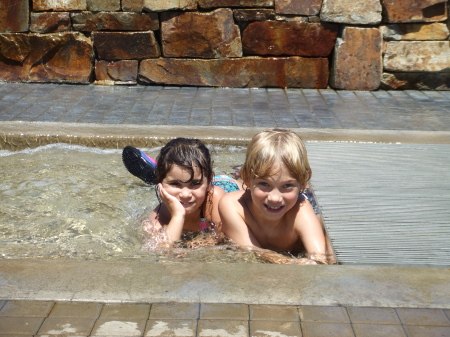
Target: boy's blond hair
{"x": 269, "y": 148}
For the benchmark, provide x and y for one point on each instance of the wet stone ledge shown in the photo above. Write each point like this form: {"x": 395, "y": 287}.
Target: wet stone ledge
{"x": 367, "y": 44}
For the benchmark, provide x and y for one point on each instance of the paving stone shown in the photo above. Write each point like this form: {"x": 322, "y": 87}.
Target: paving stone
{"x": 129, "y": 310}
{"x": 171, "y": 328}
{"x": 123, "y": 326}
{"x": 20, "y": 325}
{"x": 274, "y": 329}
{"x": 274, "y": 313}
{"x": 327, "y": 329}
{"x": 224, "y": 311}
{"x": 222, "y": 328}
{"x": 379, "y": 330}
{"x": 71, "y": 309}
{"x": 423, "y": 316}
{"x": 26, "y": 308}
{"x": 323, "y": 314}
{"x": 175, "y": 311}
{"x": 428, "y": 331}
{"x": 67, "y": 325}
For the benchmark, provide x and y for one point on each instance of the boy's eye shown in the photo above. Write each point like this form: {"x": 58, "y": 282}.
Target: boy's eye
{"x": 263, "y": 183}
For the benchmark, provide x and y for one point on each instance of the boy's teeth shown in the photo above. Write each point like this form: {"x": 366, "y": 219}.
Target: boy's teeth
{"x": 273, "y": 207}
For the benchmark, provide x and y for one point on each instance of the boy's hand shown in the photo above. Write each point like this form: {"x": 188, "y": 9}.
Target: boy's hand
{"x": 173, "y": 205}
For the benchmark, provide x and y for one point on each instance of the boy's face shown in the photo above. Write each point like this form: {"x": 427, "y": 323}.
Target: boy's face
{"x": 275, "y": 195}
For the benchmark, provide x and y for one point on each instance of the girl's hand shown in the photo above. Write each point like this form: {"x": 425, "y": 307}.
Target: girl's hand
{"x": 173, "y": 205}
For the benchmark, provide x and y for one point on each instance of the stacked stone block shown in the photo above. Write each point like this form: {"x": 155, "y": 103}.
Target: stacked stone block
{"x": 343, "y": 44}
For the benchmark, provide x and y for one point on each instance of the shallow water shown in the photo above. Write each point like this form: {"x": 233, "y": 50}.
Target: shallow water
{"x": 73, "y": 201}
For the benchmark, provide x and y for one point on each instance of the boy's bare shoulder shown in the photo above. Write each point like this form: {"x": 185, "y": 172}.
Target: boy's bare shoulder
{"x": 232, "y": 197}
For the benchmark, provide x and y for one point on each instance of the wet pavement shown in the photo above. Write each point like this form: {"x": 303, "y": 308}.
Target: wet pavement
{"x": 44, "y": 298}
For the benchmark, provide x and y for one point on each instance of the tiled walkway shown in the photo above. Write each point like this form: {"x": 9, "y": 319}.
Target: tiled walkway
{"x": 292, "y": 108}
{"x": 380, "y": 110}
{"x": 213, "y": 320}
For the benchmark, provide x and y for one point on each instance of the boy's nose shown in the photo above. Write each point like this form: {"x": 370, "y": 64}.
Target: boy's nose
{"x": 275, "y": 196}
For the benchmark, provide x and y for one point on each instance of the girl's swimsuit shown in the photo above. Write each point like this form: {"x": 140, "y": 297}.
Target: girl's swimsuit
{"x": 227, "y": 183}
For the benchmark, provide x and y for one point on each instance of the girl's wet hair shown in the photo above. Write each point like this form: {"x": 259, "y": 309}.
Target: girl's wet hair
{"x": 269, "y": 148}
{"x": 186, "y": 153}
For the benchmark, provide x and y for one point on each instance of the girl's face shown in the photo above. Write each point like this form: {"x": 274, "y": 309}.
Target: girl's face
{"x": 190, "y": 194}
{"x": 275, "y": 195}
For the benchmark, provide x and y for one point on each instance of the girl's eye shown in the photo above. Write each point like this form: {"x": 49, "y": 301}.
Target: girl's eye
{"x": 196, "y": 182}
{"x": 263, "y": 184}
{"x": 288, "y": 186}
{"x": 174, "y": 183}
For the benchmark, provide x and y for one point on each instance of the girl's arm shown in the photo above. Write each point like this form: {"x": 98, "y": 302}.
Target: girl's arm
{"x": 176, "y": 216}
{"x": 211, "y": 209}
{"x": 233, "y": 224}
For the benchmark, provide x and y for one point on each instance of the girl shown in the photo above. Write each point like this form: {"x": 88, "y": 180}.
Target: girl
{"x": 184, "y": 177}
{"x": 272, "y": 212}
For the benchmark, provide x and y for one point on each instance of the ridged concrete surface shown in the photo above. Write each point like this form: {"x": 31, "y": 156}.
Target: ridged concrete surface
{"x": 385, "y": 204}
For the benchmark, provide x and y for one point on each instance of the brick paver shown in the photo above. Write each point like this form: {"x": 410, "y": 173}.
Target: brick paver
{"x": 216, "y": 320}
{"x": 263, "y": 107}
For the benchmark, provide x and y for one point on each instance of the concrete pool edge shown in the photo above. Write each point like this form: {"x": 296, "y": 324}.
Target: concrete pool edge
{"x": 143, "y": 282}
{"x": 20, "y": 135}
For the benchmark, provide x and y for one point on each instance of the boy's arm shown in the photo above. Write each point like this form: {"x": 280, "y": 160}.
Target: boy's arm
{"x": 233, "y": 222}
{"x": 310, "y": 231}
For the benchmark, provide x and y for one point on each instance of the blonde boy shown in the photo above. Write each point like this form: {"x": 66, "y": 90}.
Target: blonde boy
{"x": 272, "y": 213}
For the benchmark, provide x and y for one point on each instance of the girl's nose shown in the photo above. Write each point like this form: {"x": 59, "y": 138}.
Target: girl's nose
{"x": 185, "y": 192}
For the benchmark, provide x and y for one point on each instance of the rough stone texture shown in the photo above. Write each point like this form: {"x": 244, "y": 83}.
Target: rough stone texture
{"x": 291, "y": 18}
{"x": 120, "y": 72}
{"x": 293, "y": 72}
{"x": 201, "y": 35}
{"x": 132, "y": 5}
{"x": 245, "y": 15}
{"x": 125, "y": 46}
{"x": 415, "y": 81}
{"x": 357, "y": 63}
{"x": 298, "y": 7}
{"x": 50, "y": 22}
{"x": 13, "y": 16}
{"x": 414, "y": 56}
{"x": 103, "y": 5}
{"x": 167, "y": 5}
{"x": 63, "y": 57}
{"x": 358, "y": 12}
{"x": 415, "y": 31}
{"x": 289, "y": 38}
{"x": 414, "y": 11}
{"x": 88, "y": 21}
{"x": 59, "y": 5}
{"x": 235, "y": 3}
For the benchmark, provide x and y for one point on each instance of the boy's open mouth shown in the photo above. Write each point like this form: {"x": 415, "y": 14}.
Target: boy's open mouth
{"x": 273, "y": 209}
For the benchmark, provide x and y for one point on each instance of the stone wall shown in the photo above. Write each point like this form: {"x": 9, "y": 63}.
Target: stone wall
{"x": 342, "y": 44}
